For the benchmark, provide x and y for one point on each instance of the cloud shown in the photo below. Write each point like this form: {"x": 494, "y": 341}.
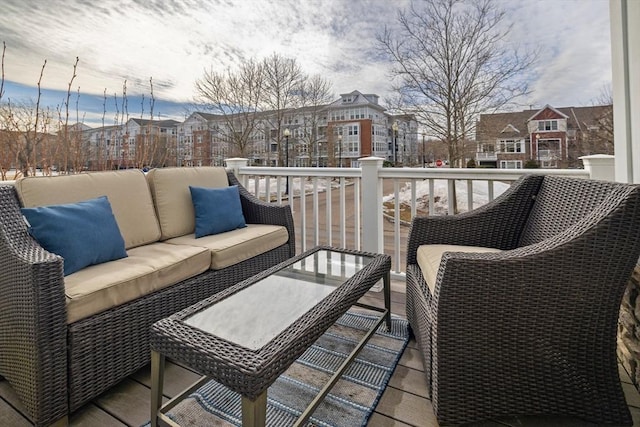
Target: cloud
{"x": 174, "y": 41}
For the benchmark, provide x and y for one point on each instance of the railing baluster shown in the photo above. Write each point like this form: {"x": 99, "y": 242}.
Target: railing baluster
{"x": 316, "y": 216}
{"x": 396, "y": 223}
{"x": 356, "y": 212}
{"x": 469, "y": 195}
{"x": 432, "y": 200}
{"x": 303, "y": 212}
{"x": 329, "y": 222}
{"x": 490, "y": 189}
{"x": 343, "y": 203}
{"x": 414, "y": 202}
{"x": 451, "y": 196}
{"x": 267, "y": 189}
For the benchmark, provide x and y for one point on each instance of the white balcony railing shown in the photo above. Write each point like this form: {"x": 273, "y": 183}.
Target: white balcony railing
{"x": 487, "y": 156}
{"x": 356, "y": 207}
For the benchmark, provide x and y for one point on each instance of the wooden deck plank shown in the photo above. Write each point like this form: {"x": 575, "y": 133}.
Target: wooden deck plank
{"x": 129, "y": 401}
{"x": 407, "y": 408}
{"x": 379, "y": 420}
{"x": 9, "y": 396}
{"x": 410, "y": 381}
{"x": 91, "y": 415}
{"x": 10, "y": 417}
{"x": 176, "y": 378}
{"x": 411, "y": 358}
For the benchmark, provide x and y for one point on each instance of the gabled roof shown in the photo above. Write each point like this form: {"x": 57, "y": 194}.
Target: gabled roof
{"x": 159, "y": 123}
{"x": 355, "y": 98}
{"x": 510, "y": 129}
{"x": 548, "y": 107}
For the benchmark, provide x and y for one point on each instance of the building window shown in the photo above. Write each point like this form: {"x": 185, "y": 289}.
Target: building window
{"x": 547, "y": 125}
{"x": 510, "y": 164}
{"x": 352, "y": 130}
{"x": 511, "y": 146}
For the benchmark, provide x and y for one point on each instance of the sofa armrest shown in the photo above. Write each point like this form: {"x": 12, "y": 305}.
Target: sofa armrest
{"x": 33, "y": 320}
{"x": 498, "y": 224}
{"x": 257, "y": 211}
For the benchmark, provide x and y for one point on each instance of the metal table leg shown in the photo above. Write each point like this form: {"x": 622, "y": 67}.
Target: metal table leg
{"x": 157, "y": 381}
{"x": 387, "y": 298}
{"x": 254, "y": 412}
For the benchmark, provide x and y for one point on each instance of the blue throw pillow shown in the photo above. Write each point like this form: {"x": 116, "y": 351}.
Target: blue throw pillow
{"x": 83, "y": 233}
{"x": 217, "y": 209}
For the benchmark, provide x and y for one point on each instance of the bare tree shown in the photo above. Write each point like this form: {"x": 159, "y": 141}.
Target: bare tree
{"x": 314, "y": 95}
{"x": 450, "y": 63}
{"x": 24, "y": 127}
{"x": 602, "y": 141}
{"x": 235, "y": 97}
{"x": 283, "y": 78}
{"x": 4, "y": 49}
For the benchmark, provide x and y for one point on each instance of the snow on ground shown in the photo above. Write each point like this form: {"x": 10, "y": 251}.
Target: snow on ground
{"x": 441, "y": 195}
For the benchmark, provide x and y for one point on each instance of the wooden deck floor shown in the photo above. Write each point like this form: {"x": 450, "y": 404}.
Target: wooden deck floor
{"x": 405, "y": 402}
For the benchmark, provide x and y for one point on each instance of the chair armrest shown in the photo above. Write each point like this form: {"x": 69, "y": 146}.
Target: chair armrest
{"x": 498, "y": 224}
{"x": 33, "y": 319}
{"x": 257, "y": 211}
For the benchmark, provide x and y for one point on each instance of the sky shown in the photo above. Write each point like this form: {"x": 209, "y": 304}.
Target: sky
{"x": 173, "y": 42}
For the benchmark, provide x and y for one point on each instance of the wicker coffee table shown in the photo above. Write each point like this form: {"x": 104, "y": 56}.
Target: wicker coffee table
{"x": 248, "y": 335}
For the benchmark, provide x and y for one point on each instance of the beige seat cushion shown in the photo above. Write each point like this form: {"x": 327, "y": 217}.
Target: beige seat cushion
{"x": 127, "y": 191}
{"x": 429, "y": 257}
{"x": 170, "y": 191}
{"x": 234, "y": 246}
{"x": 147, "y": 269}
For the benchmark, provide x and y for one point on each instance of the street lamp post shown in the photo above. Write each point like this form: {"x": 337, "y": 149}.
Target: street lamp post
{"x": 423, "y": 151}
{"x": 286, "y": 157}
{"x": 340, "y": 148}
{"x": 394, "y": 126}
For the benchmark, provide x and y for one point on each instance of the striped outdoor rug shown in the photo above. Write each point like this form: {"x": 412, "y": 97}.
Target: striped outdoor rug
{"x": 350, "y": 402}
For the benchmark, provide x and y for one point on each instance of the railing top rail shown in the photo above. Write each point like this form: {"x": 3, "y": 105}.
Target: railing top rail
{"x": 413, "y": 173}
{"x": 298, "y": 171}
{"x": 477, "y": 174}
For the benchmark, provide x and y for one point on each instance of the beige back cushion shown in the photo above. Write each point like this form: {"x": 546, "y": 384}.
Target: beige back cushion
{"x": 127, "y": 191}
{"x": 170, "y": 191}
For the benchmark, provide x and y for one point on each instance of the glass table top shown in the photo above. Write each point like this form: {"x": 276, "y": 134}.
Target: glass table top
{"x": 258, "y": 313}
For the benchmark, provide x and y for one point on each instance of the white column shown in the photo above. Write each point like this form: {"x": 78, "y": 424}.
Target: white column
{"x": 600, "y": 166}
{"x": 625, "y": 56}
{"x": 235, "y": 164}
{"x": 372, "y": 225}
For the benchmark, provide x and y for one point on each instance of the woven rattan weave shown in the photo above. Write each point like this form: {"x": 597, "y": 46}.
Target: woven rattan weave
{"x": 530, "y": 330}
{"x": 55, "y": 368}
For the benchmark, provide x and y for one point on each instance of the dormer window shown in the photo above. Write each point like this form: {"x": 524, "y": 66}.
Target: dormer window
{"x": 347, "y": 99}
{"x": 547, "y": 125}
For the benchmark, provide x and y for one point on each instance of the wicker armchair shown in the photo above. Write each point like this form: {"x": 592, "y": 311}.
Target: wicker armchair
{"x": 530, "y": 329}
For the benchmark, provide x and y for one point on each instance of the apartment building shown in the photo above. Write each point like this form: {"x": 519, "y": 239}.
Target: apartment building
{"x": 547, "y": 138}
{"x": 336, "y": 134}
{"x": 136, "y": 143}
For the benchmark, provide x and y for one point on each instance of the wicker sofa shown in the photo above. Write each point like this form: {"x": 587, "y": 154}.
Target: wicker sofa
{"x": 66, "y": 339}
{"x": 515, "y": 305}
